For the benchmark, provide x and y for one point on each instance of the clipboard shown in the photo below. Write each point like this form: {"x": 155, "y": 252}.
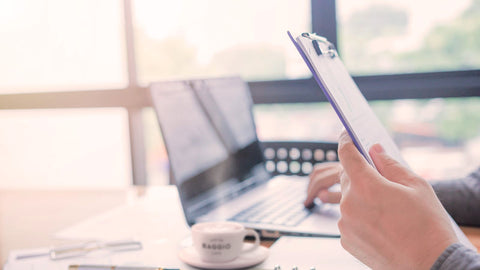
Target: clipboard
{"x": 347, "y": 100}
{"x": 352, "y": 108}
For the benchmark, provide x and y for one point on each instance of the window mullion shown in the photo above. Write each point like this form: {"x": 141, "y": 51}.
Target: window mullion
{"x": 130, "y": 47}
{"x": 135, "y": 120}
{"x": 324, "y": 19}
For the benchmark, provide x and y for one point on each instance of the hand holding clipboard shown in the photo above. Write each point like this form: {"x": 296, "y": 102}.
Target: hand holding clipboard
{"x": 365, "y": 130}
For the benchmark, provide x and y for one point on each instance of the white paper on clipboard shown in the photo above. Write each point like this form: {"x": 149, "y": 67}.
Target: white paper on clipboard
{"x": 349, "y": 103}
{"x": 352, "y": 108}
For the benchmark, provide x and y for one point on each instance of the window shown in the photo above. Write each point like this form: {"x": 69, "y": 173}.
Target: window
{"x": 404, "y": 58}
{"x": 439, "y": 138}
{"x": 64, "y": 148}
{"x": 156, "y": 155}
{"x": 56, "y": 45}
{"x": 181, "y": 39}
{"x": 380, "y": 37}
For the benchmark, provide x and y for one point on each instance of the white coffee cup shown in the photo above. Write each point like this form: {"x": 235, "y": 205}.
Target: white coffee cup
{"x": 221, "y": 241}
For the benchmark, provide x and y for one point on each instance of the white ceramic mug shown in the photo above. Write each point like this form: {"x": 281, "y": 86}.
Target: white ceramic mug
{"x": 221, "y": 241}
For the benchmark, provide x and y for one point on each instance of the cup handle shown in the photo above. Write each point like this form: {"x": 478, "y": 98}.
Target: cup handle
{"x": 250, "y": 232}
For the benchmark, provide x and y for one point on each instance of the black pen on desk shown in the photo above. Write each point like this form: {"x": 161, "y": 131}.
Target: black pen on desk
{"x": 113, "y": 267}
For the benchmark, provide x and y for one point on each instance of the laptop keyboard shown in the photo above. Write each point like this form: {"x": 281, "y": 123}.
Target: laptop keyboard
{"x": 282, "y": 208}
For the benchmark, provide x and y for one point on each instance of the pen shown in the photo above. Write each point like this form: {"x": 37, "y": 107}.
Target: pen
{"x": 113, "y": 267}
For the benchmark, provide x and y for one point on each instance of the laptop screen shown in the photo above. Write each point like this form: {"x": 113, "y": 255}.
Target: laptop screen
{"x": 210, "y": 136}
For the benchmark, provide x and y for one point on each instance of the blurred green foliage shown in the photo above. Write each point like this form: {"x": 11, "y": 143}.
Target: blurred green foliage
{"x": 454, "y": 120}
{"x": 453, "y": 46}
{"x": 367, "y": 36}
{"x": 459, "y": 121}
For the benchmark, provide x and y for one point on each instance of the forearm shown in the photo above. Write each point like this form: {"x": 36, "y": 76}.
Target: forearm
{"x": 457, "y": 256}
{"x": 461, "y": 198}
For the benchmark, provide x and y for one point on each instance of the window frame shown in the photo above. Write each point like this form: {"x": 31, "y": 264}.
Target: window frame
{"x": 134, "y": 97}
{"x": 374, "y": 87}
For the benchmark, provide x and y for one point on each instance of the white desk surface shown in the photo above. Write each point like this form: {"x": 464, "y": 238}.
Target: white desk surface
{"x": 157, "y": 220}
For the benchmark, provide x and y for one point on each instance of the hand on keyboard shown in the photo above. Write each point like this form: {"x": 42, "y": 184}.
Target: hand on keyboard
{"x": 324, "y": 176}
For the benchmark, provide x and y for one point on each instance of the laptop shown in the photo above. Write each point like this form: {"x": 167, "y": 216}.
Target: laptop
{"x": 216, "y": 162}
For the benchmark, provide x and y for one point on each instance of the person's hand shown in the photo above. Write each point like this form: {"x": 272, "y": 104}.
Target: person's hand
{"x": 324, "y": 176}
{"x": 391, "y": 219}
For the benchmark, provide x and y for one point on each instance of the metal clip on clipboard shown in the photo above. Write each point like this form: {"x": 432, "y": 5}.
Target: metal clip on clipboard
{"x": 316, "y": 40}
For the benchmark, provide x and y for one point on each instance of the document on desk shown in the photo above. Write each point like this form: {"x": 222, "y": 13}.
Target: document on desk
{"x": 154, "y": 254}
{"x": 157, "y": 216}
{"x": 308, "y": 252}
{"x": 156, "y": 220}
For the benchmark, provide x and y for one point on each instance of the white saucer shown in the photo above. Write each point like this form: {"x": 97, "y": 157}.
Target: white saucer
{"x": 190, "y": 256}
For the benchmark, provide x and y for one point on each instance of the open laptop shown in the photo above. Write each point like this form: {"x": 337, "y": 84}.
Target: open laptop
{"x": 217, "y": 164}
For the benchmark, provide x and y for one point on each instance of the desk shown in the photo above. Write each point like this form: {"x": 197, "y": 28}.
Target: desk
{"x": 473, "y": 235}
{"x": 28, "y": 218}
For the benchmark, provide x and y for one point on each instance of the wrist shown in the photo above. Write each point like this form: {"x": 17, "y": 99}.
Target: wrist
{"x": 438, "y": 264}
{"x": 433, "y": 254}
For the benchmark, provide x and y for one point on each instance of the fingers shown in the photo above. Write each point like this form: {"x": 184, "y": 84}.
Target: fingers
{"x": 323, "y": 178}
{"x": 321, "y": 167}
{"x": 330, "y": 196}
{"x": 353, "y": 162}
{"x": 389, "y": 167}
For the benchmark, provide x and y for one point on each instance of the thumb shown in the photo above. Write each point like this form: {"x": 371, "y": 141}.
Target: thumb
{"x": 389, "y": 167}
{"x": 353, "y": 163}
